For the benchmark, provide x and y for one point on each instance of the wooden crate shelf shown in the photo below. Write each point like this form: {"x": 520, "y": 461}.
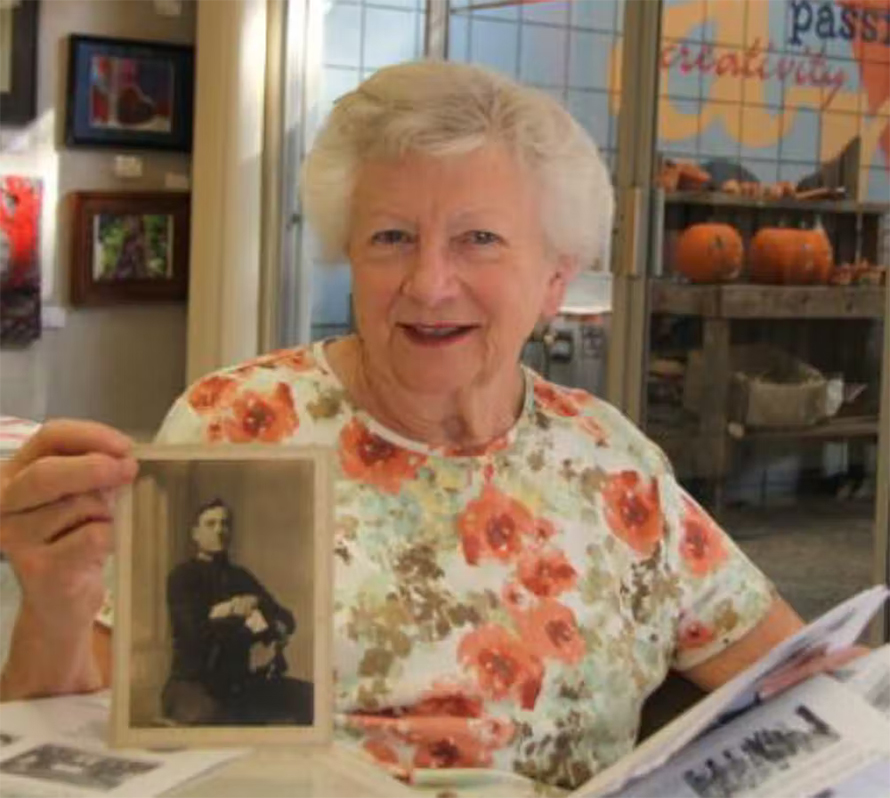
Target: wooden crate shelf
{"x": 716, "y": 199}
{"x": 745, "y": 301}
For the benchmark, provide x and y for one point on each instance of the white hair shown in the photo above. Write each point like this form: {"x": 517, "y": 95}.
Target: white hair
{"x": 444, "y": 108}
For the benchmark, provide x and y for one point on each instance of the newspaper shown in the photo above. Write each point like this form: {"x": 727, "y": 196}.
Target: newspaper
{"x": 837, "y": 629}
{"x": 869, "y": 677}
{"x": 813, "y": 734}
{"x": 56, "y": 747}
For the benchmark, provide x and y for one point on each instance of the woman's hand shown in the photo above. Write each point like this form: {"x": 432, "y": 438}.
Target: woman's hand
{"x": 56, "y": 498}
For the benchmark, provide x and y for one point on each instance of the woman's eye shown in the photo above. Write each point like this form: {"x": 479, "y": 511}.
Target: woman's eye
{"x": 482, "y": 238}
{"x": 390, "y": 237}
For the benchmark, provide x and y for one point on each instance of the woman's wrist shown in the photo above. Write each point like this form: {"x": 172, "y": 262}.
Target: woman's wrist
{"x": 45, "y": 662}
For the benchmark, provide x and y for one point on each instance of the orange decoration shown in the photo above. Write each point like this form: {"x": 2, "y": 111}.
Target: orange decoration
{"x": 782, "y": 256}
{"x": 710, "y": 253}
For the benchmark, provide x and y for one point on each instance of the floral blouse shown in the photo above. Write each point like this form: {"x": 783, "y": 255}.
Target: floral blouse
{"x": 508, "y": 608}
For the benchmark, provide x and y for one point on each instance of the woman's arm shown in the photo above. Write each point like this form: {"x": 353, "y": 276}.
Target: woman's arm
{"x": 779, "y": 623}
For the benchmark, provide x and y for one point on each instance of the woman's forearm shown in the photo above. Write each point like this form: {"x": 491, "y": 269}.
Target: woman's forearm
{"x": 41, "y": 664}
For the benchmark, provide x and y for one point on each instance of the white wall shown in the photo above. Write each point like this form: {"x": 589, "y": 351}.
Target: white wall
{"x": 121, "y": 365}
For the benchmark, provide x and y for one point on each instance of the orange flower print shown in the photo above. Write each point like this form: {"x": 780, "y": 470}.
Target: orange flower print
{"x": 515, "y": 599}
{"x": 546, "y": 573}
{"x": 554, "y": 399}
{"x": 633, "y": 512}
{"x": 373, "y": 460}
{"x": 459, "y": 750}
{"x": 493, "y": 526}
{"x": 464, "y": 744}
{"x": 551, "y": 630}
{"x": 543, "y": 531}
{"x": 381, "y": 751}
{"x": 214, "y": 432}
{"x": 212, "y": 393}
{"x": 503, "y": 665}
{"x": 387, "y": 757}
{"x": 702, "y": 547}
{"x": 262, "y": 417}
{"x": 295, "y": 359}
{"x": 449, "y": 702}
{"x": 693, "y": 634}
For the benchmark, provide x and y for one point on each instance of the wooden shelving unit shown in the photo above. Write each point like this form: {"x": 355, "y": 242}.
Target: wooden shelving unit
{"x": 702, "y": 447}
{"x": 737, "y": 301}
{"x": 716, "y": 199}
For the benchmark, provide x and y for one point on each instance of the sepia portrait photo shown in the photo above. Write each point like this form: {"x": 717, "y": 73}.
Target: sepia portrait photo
{"x": 223, "y": 598}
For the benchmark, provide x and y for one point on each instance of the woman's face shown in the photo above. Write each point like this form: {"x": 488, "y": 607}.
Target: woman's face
{"x": 450, "y": 267}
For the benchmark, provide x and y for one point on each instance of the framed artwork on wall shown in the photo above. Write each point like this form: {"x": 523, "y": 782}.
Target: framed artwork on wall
{"x": 129, "y": 94}
{"x": 18, "y": 61}
{"x": 129, "y": 247}
{"x": 21, "y": 200}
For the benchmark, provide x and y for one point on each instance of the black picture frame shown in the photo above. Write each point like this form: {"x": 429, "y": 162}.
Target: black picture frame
{"x": 108, "y": 78}
{"x": 18, "y": 106}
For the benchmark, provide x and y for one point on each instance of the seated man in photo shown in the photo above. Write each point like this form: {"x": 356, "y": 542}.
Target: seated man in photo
{"x": 229, "y": 635}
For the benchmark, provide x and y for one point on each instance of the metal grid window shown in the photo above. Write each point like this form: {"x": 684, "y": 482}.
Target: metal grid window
{"x": 564, "y": 48}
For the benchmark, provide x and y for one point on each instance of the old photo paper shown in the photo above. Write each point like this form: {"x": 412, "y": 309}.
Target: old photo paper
{"x": 223, "y": 598}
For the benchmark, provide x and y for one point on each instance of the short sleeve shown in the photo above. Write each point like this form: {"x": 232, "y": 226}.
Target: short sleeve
{"x": 723, "y": 595}
{"x": 181, "y": 425}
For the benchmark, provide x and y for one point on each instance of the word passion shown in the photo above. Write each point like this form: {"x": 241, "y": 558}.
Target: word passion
{"x": 807, "y": 68}
{"x": 845, "y": 20}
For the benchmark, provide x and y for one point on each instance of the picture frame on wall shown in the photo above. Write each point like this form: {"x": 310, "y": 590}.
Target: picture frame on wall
{"x": 129, "y": 94}
{"x": 129, "y": 247}
{"x": 225, "y": 636}
{"x": 18, "y": 61}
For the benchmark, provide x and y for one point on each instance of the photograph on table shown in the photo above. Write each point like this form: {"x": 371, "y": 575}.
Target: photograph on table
{"x": 222, "y": 605}
{"x": 129, "y": 247}
{"x": 132, "y": 94}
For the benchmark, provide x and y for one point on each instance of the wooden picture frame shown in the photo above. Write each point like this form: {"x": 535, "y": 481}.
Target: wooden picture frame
{"x": 255, "y": 524}
{"x": 127, "y": 93}
{"x": 18, "y": 70}
{"x": 129, "y": 247}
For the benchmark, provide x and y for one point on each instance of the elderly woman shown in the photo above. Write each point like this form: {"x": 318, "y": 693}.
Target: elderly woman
{"x": 516, "y": 565}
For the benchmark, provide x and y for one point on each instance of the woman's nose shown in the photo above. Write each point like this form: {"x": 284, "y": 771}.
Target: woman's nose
{"x": 431, "y": 277}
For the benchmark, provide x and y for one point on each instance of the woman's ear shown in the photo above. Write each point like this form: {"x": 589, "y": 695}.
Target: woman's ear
{"x": 563, "y": 273}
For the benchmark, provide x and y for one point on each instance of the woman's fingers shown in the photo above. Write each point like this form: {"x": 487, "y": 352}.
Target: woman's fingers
{"x": 53, "y": 477}
{"x": 68, "y": 436}
{"x": 88, "y": 545}
{"x": 63, "y": 582}
{"x": 47, "y": 523}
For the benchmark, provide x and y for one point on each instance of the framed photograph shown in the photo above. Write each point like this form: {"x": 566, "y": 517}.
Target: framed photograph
{"x": 222, "y": 610}
{"x": 129, "y": 247}
{"x": 129, "y": 94}
{"x": 18, "y": 61}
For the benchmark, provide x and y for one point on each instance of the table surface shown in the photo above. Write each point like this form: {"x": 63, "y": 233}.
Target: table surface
{"x": 268, "y": 772}
{"x": 337, "y": 772}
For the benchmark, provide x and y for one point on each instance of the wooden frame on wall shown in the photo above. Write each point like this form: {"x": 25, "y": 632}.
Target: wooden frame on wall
{"x": 129, "y": 247}
{"x": 18, "y": 70}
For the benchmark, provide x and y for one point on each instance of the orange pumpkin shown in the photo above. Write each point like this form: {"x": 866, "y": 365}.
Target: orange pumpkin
{"x": 781, "y": 256}
{"x": 709, "y": 253}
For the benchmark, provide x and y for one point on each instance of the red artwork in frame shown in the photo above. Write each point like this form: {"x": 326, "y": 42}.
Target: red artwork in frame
{"x": 21, "y": 201}
{"x": 129, "y": 247}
